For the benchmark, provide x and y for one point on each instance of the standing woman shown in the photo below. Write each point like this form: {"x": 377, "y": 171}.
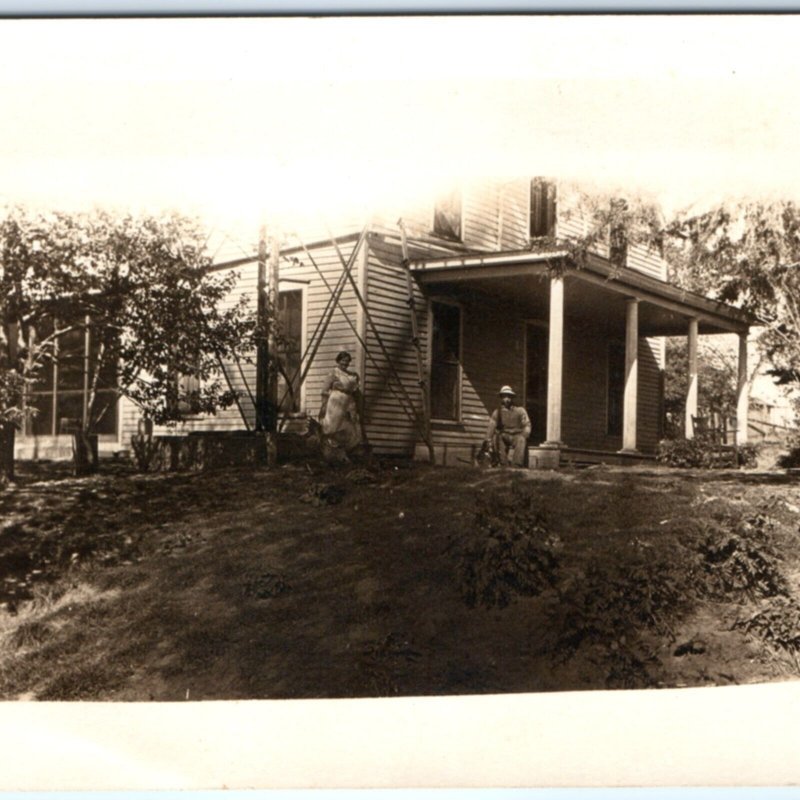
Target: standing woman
{"x": 338, "y": 414}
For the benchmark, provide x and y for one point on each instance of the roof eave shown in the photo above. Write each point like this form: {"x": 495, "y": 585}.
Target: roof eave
{"x": 622, "y": 276}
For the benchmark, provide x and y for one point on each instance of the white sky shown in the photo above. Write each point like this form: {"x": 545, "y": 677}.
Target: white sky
{"x": 248, "y": 119}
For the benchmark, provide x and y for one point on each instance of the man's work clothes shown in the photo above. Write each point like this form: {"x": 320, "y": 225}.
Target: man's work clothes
{"x": 509, "y": 429}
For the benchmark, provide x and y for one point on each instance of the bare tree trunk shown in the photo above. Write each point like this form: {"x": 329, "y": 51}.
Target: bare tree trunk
{"x": 7, "y": 433}
{"x": 84, "y": 452}
{"x": 84, "y": 442}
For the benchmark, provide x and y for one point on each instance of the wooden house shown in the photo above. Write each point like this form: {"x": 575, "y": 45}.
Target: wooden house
{"x": 475, "y": 290}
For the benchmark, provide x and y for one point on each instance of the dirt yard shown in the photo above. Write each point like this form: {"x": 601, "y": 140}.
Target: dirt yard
{"x": 396, "y": 580}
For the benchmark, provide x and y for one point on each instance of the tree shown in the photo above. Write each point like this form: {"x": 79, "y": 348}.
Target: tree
{"x": 140, "y": 289}
{"x": 717, "y": 376}
{"x": 611, "y": 224}
{"x": 748, "y": 254}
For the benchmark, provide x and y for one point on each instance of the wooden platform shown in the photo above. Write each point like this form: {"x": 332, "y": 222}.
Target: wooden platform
{"x": 572, "y": 456}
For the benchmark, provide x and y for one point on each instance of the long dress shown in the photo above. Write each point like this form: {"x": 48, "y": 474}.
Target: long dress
{"x": 340, "y": 424}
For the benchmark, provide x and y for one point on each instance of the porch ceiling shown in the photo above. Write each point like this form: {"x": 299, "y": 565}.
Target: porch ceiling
{"x": 528, "y": 296}
{"x": 595, "y": 295}
{"x": 604, "y": 307}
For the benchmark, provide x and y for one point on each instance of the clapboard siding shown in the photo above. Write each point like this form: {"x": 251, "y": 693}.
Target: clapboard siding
{"x": 341, "y": 331}
{"x": 392, "y": 393}
{"x": 583, "y": 412}
{"x": 584, "y": 418}
{"x": 649, "y": 406}
{"x": 648, "y": 260}
{"x": 481, "y": 216}
{"x": 129, "y": 420}
{"x": 515, "y": 233}
{"x": 570, "y": 222}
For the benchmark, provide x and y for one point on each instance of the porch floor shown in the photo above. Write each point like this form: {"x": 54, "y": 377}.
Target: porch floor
{"x": 576, "y": 456}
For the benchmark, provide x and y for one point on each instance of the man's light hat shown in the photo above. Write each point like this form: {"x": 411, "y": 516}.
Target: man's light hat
{"x": 507, "y": 390}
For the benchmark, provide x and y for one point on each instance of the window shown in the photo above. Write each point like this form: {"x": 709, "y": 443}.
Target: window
{"x": 616, "y": 387}
{"x": 289, "y": 347}
{"x": 543, "y": 208}
{"x": 617, "y": 234}
{"x": 445, "y": 361}
{"x": 447, "y": 216}
{"x": 61, "y": 393}
{"x": 186, "y": 400}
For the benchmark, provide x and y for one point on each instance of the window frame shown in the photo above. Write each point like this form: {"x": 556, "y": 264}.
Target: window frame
{"x": 460, "y": 238}
{"x": 53, "y": 394}
{"x": 542, "y": 180}
{"x": 298, "y": 285}
{"x": 458, "y": 419}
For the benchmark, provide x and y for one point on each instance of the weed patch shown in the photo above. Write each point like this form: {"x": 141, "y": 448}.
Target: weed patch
{"x": 82, "y": 683}
{"x": 515, "y": 553}
{"x": 776, "y": 622}
{"x": 264, "y": 585}
{"x": 30, "y": 634}
{"x": 614, "y": 599}
{"x": 739, "y": 558}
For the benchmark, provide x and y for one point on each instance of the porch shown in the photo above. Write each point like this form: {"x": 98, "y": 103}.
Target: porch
{"x": 583, "y": 348}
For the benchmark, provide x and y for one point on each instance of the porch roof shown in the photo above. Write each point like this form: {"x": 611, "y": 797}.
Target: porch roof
{"x": 668, "y": 307}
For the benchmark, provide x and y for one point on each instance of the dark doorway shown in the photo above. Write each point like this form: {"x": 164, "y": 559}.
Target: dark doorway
{"x": 536, "y": 343}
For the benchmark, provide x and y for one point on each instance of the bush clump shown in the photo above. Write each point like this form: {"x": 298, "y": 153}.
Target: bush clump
{"x": 776, "y": 622}
{"x": 738, "y": 557}
{"x": 790, "y": 460}
{"x": 699, "y": 453}
{"x": 515, "y": 553}
{"x": 612, "y": 601}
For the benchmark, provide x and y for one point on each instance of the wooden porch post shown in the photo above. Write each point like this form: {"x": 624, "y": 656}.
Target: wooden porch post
{"x": 555, "y": 360}
{"x": 742, "y": 393}
{"x": 631, "y": 392}
{"x": 691, "y": 392}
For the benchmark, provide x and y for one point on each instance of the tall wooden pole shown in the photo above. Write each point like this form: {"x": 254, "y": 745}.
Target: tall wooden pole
{"x": 262, "y": 346}
{"x": 272, "y": 364}
{"x": 415, "y": 341}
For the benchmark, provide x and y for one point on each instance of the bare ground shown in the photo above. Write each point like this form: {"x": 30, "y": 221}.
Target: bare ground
{"x": 307, "y": 582}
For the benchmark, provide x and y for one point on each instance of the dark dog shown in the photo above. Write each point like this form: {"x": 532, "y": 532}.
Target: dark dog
{"x": 486, "y": 456}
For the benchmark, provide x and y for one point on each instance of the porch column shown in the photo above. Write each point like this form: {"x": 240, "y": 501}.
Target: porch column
{"x": 631, "y": 392}
{"x": 742, "y": 392}
{"x": 691, "y": 391}
{"x": 555, "y": 358}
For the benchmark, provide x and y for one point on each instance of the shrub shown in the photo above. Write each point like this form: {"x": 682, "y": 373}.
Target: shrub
{"x": 614, "y": 600}
{"x": 777, "y": 622}
{"x": 747, "y": 455}
{"x": 702, "y": 453}
{"x": 739, "y": 557}
{"x": 790, "y": 460}
{"x": 514, "y": 554}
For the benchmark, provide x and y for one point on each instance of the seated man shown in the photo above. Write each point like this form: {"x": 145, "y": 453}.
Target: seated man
{"x": 509, "y": 429}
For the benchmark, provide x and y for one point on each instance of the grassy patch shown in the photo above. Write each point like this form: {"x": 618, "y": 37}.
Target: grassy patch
{"x": 416, "y": 580}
